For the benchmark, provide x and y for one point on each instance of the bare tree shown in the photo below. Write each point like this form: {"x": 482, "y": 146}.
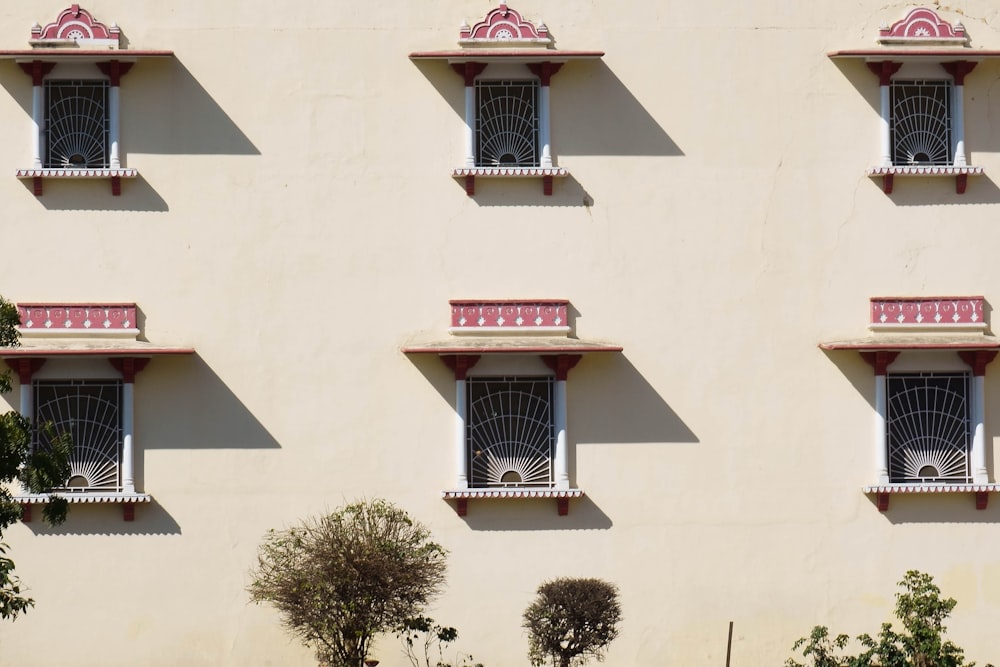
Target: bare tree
{"x": 340, "y": 580}
{"x": 572, "y": 620}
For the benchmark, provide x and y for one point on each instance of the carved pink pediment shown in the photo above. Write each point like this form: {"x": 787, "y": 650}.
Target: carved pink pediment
{"x": 938, "y": 311}
{"x": 504, "y": 24}
{"x": 922, "y": 25}
{"x": 76, "y": 24}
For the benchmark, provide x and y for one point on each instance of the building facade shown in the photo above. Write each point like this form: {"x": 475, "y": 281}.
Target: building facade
{"x": 695, "y": 298}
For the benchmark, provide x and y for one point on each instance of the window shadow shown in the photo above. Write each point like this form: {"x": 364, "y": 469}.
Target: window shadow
{"x": 106, "y": 519}
{"x": 525, "y": 514}
{"x": 165, "y": 111}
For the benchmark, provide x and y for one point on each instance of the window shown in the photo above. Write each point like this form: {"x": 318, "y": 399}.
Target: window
{"x": 511, "y": 433}
{"x": 90, "y": 412}
{"x": 507, "y": 111}
{"x": 921, "y": 63}
{"x": 511, "y": 361}
{"x": 76, "y": 124}
{"x": 930, "y": 357}
{"x": 928, "y": 421}
{"x": 507, "y": 123}
{"x": 921, "y": 122}
{"x": 76, "y": 65}
{"x": 76, "y": 367}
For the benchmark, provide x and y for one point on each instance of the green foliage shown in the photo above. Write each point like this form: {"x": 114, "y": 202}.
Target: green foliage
{"x": 572, "y": 620}
{"x": 421, "y": 634}
{"x": 37, "y": 472}
{"x": 340, "y": 580}
{"x": 921, "y": 611}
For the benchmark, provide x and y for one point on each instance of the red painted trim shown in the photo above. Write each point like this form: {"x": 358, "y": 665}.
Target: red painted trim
{"x": 884, "y": 71}
{"x": 114, "y": 70}
{"x": 562, "y": 506}
{"x": 36, "y": 186}
{"x": 982, "y": 499}
{"x": 529, "y": 55}
{"x": 887, "y": 184}
{"x": 116, "y": 186}
{"x": 470, "y": 185}
{"x": 469, "y": 70}
{"x": 25, "y": 513}
{"x": 462, "y": 506}
{"x": 112, "y": 352}
{"x": 875, "y": 346}
{"x": 544, "y": 70}
{"x": 959, "y": 69}
{"x": 978, "y": 360}
{"x": 129, "y": 366}
{"x": 57, "y": 55}
{"x": 954, "y": 53}
{"x": 879, "y": 360}
{"x": 562, "y": 364}
{"x": 922, "y": 23}
{"x": 547, "y": 185}
{"x": 521, "y": 349}
{"x": 25, "y": 368}
{"x": 37, "y": 70}
{"x": 882, "y": 500}
{"x": 461, "y": 364}
{"x": 128, "y": 511}
{"x": 961, "y": 183}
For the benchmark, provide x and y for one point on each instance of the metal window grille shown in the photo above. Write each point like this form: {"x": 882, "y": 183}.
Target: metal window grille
{"x": 510, "y": 431}
{"x": 507, "y": 123}
{"x": 76, "y": 124}
{"x": 90, "y": 411}
{"x": 921, "y": 122}
{"x": 928, "y": 425}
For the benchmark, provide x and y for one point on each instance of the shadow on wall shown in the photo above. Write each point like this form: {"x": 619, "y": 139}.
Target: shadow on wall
{"x": 609, "y": 402}
{"x": 183, "y": 404}
{"x": 180, "y": 404}
{"x": 165, "y": 111}
{"x": 534, "y": 514}
{"x": 593, "y": 114}
{"x": 84, "y": 519}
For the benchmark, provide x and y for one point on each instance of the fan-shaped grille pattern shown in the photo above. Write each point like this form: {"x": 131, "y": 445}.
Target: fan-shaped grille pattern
{"x": 77, "y": 124}
{"x": 921, "y": 122}
{"x": 510, "y": 431}
{"x": 928, "y": 427}
{"x": 89, "y": 412}
{"x": 507, "y": 124}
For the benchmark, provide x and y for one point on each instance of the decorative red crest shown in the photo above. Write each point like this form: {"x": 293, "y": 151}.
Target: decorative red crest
{"x": 504, "y": 24}
{"x": 922, "y": 25}
{"x": 75, "y": 24}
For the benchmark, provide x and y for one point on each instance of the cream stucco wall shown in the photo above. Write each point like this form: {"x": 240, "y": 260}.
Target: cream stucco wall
{"x": 295, "y": 223}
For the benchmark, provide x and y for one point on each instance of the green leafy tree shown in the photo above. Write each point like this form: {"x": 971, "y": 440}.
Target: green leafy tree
{"x": 572, "y": 620}
{"x": 36, "y": 471}
{"x": 922, "y": 613}
{"x": 340, "y": 580}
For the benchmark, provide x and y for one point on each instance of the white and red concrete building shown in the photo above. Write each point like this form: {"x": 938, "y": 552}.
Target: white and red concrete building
{"x": 663, "y": 294}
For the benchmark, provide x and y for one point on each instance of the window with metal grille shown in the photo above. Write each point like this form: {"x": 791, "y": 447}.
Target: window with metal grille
{"x": 90, "y": 411}
{"x": 928, "y": 427}
{"x": 921, "y": 125}
{"x": 507, "y": 123}
{"x": 76, "y": 124}
{"x": 510, "y": 431}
